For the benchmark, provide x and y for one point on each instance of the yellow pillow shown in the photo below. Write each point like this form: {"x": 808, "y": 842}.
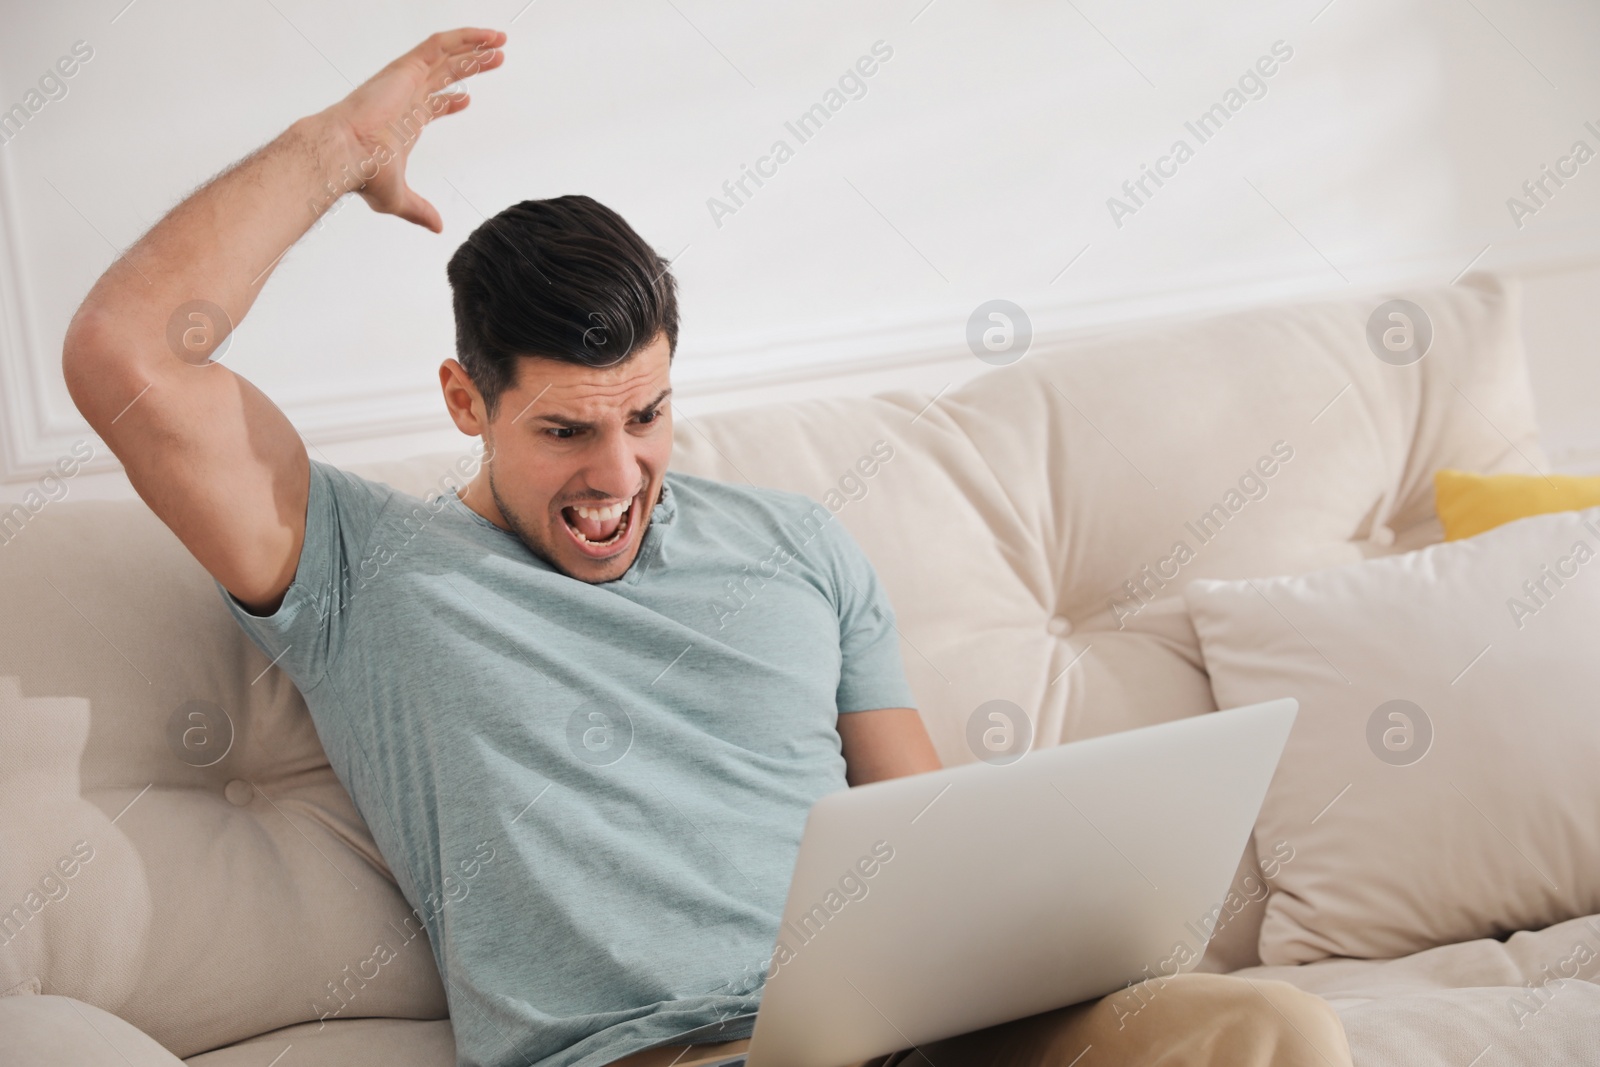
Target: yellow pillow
{"x": 1469, "y": 504}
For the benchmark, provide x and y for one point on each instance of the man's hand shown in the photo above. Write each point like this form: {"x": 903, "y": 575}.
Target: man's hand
{"x": 385, "y": 114}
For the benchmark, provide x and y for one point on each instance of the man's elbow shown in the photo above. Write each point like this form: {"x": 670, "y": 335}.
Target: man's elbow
{"x": 90, "y": 367}
{"x": 79, "y": 348}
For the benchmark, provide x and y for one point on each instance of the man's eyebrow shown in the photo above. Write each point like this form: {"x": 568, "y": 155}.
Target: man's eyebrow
{"x": 573, "y": 424}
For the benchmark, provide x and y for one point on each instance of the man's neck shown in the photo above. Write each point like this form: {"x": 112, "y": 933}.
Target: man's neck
{"x": 478, "y": 496}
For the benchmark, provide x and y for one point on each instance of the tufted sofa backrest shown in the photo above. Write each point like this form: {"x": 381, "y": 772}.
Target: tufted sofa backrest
{"x": 1034, "y": 528}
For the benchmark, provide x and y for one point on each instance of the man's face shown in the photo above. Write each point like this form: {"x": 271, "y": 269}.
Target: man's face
{"x": 567, "y": 437}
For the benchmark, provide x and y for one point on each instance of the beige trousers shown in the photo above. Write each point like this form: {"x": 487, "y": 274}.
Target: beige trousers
{"x": 1191, "y": 1020}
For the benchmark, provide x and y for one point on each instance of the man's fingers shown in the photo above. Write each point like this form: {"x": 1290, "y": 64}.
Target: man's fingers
{"x": 417, "y": 210}
{"x": 449, "y": 104}
{"x": 467, "y": 38}
{"x": 440, "y": 61}
{"x": 448, "y": 43}
{"x": 457, "y": 68}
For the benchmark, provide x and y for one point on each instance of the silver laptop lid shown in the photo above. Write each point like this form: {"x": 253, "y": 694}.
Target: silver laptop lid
{"x": 933, "y": 905}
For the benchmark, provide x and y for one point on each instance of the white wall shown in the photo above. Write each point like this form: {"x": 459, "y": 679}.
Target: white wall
{"x": 978, "y": 164}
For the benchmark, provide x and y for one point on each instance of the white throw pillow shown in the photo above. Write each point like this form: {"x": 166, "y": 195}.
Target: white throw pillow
{"x": 1442, "y": 781}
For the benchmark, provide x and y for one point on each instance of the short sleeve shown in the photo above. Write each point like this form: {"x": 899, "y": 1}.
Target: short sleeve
{"x": 871, "y": 674}
{"x": 305, "y": 634}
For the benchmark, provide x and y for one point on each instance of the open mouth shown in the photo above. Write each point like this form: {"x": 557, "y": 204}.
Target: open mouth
{"x": 600, "y": 532}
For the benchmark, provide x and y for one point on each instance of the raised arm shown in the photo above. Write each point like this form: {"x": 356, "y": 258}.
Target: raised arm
{"x": 210, "y": 454}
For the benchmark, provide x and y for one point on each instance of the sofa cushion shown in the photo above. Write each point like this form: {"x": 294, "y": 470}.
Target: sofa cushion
{"x": 68, "y": 873}
{"x": 233, "y": 887}
{"x": 1469, "y": 503}
{"x": 1012, "y": 513}
{"x": 53, "y": 1031}
{"x": 1439, "y": 783}
{"x": 1531, "y": 1000}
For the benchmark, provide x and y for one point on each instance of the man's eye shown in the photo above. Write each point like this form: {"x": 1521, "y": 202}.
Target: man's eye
{"x": 562, "y": 433}
{"x": 650, "y": 416}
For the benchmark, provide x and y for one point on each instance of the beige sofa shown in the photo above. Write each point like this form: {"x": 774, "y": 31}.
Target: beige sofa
{"x": 185, "y": 878}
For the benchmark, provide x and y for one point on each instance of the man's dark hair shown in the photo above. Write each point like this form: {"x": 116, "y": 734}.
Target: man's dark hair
{"x": 565, "y": 279}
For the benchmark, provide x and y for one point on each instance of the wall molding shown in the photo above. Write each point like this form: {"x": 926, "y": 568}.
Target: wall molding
{"x": 22, "y": 439}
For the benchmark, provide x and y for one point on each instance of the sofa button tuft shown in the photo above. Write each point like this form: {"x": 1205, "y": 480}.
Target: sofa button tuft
{"x": 1059, "y": 625}
{"x": 239, "y": 792}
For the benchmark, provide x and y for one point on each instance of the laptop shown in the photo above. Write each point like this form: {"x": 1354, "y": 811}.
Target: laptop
{"x": 933, "y": 905}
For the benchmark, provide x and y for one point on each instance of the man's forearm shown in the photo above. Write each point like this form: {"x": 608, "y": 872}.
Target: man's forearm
{"x": 222, "y": 242}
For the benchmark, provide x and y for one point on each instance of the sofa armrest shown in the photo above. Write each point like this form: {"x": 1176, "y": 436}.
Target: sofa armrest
{"x": 51, "y": 1031}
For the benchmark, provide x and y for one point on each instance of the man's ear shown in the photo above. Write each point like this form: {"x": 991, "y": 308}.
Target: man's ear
{"x": 462, "y": 399}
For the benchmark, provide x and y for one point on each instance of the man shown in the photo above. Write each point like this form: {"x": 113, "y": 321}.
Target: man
{"x": 531, "y": 671}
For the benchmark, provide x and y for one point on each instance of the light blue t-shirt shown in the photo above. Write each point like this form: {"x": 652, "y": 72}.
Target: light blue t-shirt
{"x": 591, "y": 794}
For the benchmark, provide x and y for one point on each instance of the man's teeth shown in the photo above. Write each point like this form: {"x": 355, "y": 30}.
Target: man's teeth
{"x": 603, "y": 514}
{"x": 602, "y": 517}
